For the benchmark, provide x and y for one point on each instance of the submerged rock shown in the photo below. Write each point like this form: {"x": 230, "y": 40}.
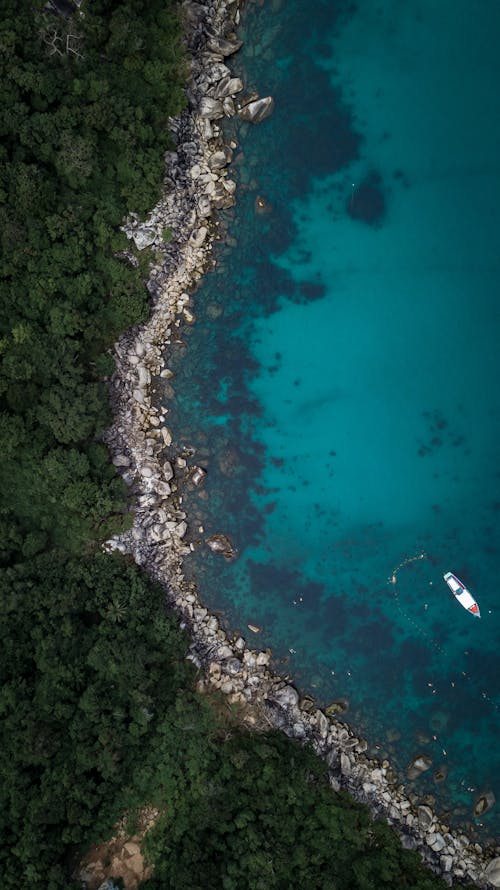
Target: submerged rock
{"x": 419, "y": 765}
{"x": 337, "y": 707}
{"x": 484, "y": 803}
{"x": 221, "y": 544}
{"x": 441, "y": 773}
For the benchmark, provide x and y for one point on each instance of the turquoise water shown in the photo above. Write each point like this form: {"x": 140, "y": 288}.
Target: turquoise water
{"x": 341, "y": 383}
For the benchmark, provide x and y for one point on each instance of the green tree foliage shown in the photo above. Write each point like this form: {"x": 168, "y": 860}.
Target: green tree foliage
{"x": 90, "y": 665}
{"x": 265, "y": 818}
{"x": 82, "y": 141}
{"x": 91, "y": 673}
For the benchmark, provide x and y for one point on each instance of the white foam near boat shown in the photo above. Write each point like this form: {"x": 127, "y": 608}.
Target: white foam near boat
{"x": 463, "y": 595}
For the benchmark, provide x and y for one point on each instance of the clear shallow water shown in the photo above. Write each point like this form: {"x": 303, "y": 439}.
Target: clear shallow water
{"x": 340, "y": 384}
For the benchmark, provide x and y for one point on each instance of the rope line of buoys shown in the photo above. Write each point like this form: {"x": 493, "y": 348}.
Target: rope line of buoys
{"x": 393, "y": 580}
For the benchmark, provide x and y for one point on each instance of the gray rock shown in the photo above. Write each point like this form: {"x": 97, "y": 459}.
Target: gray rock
{"x": 181, "y": 529}
{"x": 204, "y": 209}
{"x": 166, "y": 436}
{"x": 233, "y": 666}
{"x": 257, "y": 111}
{"x": 436, "y": 841}
{"x": 198, "y": 236}
{"x": 425, "y": 817}
{"x": 287, "y": 697}
{"x": 144, "y": 238}
{"x": 262, "y": 659}
{"x": 484, "y": 803}
{"x": 299, "y": 731}
{"x": 418, "y": 765}
{"x": 228, "y": 106}
{"x": 211, "y": 109}
{"x": 224, "y": 46}
{"x": 229, "y": 86}
{"x": 121, "y": 460}
{"x": 446, "y": 863}
{"x": 168, "y": 472}
{"x": 197, "y": 476}
{"x": 345, "y": 764}
{"x": 492, "y": 872}
{"x": 144, "y": 376}
{"x": 218, "y": 160}
{"x": 221, "y": 544}
{"x": 225, "y": 652}
{"x": 322, "y": 724}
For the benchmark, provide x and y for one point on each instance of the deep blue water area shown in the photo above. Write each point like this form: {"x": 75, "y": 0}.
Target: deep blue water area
{"x": 341, "y": 383}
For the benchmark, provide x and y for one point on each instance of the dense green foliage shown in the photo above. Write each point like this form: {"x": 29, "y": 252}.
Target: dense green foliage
{"x": 97, "y": 709}
{"x": 89, "y": 664}
{"x": 265, "y": 818}
{"x": 92, "y": 670}
{"x": 82, "y": 143}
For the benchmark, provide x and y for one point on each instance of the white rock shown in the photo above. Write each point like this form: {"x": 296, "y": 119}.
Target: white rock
{"x": 144, "y": 238}
{"x": 167, "y": 470}
{"x": 144, "y": 376}
{"x": 181, "y": 529}
{"x": 121, "y": 460}
{"x": 345, "y": 764}
{"x": 225, "y": 652}
{"x": 369, "y": 787}
{"x": 139, "y": 396}
{"x": 262, "y": 658}
{"x": 166, "y": 436}
{"x": 287, "y": 697}
{"x": 446, "y": 863}
{"x": 198, "y": 236}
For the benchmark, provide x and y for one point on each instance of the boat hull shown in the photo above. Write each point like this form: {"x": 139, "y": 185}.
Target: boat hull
{"x": 463, "y": 595}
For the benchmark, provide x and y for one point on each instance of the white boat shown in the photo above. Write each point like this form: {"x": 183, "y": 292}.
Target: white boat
{"x": 463, "y": 595}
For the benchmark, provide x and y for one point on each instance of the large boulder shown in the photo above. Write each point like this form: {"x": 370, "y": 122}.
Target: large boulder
{"x": 221, "y": 544}
{"x": 493, "y": 872}
{"x": 287, "y": 697}
{"x": 144, "y": 238}
{"x": 484, "y": 803}
{"x": 418, "y": 766}
{"x": 425, "y": 817}
{"x": 224, "y": 46}
{"x": 257, "y": 111}
{"x": 211, "y": 108}
{"x": 229, "y": 86}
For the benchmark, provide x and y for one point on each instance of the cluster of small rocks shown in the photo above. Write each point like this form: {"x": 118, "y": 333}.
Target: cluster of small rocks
{"x": 196, "y": 185}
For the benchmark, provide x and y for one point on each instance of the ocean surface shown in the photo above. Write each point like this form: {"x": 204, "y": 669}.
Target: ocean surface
{"x": 342, "y": 382}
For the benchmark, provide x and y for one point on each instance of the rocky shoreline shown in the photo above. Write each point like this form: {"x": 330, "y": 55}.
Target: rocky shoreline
{"x": 196, "y": 185}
